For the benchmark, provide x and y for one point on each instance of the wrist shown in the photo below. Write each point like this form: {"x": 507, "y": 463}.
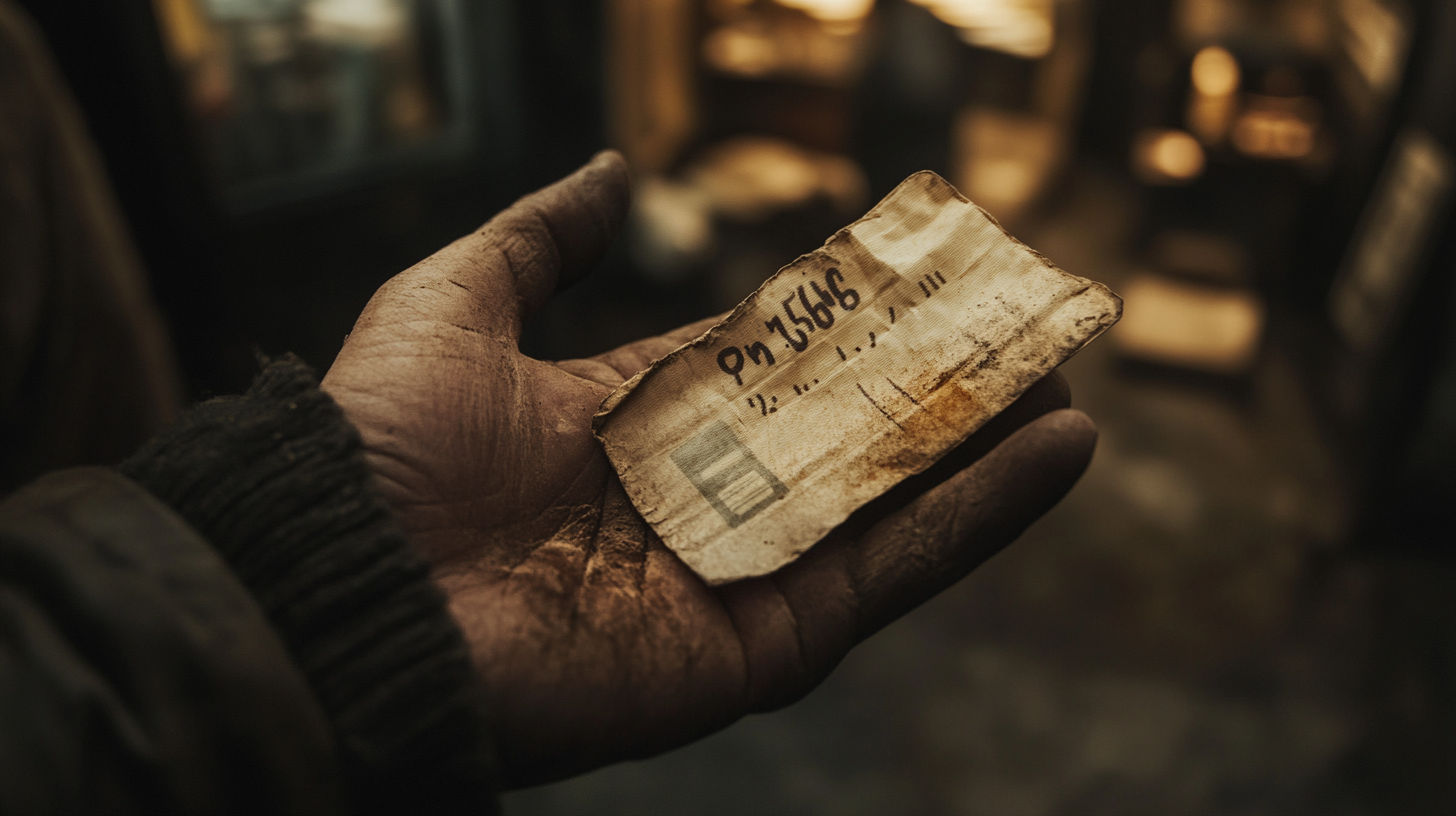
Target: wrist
{"x": 276, "y": 480}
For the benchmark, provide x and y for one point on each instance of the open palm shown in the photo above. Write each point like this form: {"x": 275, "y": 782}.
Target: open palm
{"x": 595, "y": 643}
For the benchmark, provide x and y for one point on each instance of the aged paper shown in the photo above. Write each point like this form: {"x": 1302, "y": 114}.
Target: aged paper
{"x": 854, "y": 367}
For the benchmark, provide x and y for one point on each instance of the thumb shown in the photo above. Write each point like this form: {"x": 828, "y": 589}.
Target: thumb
{"x": 493, "y": 279}
{"x": 554, "y": 236}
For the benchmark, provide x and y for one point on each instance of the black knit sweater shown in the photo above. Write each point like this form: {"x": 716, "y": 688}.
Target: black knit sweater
{"x": 277, "y": 482}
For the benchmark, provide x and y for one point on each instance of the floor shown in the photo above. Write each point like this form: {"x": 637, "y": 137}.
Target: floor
{"x": 1187, "y": 633}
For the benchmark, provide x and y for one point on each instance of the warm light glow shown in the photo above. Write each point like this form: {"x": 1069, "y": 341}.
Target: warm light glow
{"x": 1209, "y": 117}
{"x": 370, "y": 22}
{"x": 673, "y": 222}
{"x": 748, "y": 178}
{"x": 1375, "y": 38}
{"x": 815, "y": 50}
{"x": 1167, "y": 157}
{"x": 1019, "y": 27}
{"x": 1204, "y": 20}
{"x": 1003, "y": 160}
{"x": 1379, "y": 269}
{"x": 1273, "y": 134}
{"x": 1177, "y": 155}
{"x": 186, "y": 28}
{"x": 1215, "y": 72}
{"x": 736, "y": 51}
{"x": 832, "y": 11}
{"x": 1189, "y": 325}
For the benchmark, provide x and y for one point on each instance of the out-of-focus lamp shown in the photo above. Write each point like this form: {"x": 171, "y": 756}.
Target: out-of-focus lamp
{"x": 1212, "y": 105}
{"x": 366, "y": 22}
{"x": 1023, "y": 28}
{"x": 1167, "y": 157}
{"x": 740, "y": 51}
{"x": 1187, "y": 325}
{"x": 834, "y": 12}
{"x": 1277, "y": 127}
{"x": 1215, "y": 72}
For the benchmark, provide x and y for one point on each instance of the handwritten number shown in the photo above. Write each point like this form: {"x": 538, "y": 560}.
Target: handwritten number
{"x": 777, "y": 324}
{"x": 823, "y": 318}
{"x": 759, "y": 353}
{"x": 824, "y": 297}
{"x": 789, "y": 310}
{"x": 848, "y": 298}
{"x": 818, "y": 314}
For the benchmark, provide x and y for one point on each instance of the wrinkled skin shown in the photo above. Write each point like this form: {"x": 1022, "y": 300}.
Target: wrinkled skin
{"x": 594, "y": 642}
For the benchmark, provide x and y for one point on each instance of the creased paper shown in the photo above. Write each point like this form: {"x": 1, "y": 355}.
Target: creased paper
{"x": 854, "y": 367}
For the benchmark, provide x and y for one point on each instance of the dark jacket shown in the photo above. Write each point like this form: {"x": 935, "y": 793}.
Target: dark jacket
{"x": 86, "y": 369}
{"x": 230, "y": 621}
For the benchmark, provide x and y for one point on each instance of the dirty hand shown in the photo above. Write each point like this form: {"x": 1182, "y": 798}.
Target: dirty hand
{"x": 595, "y": 643}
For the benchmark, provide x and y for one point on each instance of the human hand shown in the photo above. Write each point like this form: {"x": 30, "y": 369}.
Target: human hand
{"x": 595, "y": 643}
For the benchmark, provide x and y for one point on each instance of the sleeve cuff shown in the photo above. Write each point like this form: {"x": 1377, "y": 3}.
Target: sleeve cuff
{"x": 277, "y": 481}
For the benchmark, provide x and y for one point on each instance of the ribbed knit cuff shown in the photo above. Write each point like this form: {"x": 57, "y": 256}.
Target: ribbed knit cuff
{"x": 277, "y": 481}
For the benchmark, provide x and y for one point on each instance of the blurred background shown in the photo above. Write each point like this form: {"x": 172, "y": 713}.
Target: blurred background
{"x": 1249, "y": 603}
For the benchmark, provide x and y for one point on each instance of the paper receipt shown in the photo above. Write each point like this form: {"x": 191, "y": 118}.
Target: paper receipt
{"x": 855, "y": 366}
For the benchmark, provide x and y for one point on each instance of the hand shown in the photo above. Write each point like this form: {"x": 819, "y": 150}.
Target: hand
{"x": 595, "y": 643}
